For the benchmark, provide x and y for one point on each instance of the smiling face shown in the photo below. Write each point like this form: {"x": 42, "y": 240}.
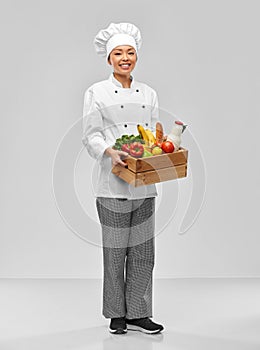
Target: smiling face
{"x": 123, "y": 59}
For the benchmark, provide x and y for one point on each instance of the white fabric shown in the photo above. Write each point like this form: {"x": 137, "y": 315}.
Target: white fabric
{"x": 104, "y": 120}
{"x": 120, "y": 39}
{"x": 105, "y": 35}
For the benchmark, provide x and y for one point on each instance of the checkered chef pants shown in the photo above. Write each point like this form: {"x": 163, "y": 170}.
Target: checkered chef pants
{"x": 128, "y": 255}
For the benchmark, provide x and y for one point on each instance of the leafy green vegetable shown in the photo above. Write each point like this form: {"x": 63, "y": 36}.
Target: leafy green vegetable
{"x": 126, "y": 139}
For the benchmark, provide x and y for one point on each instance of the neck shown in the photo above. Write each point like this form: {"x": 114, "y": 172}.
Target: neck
{"x": 125, "y": 79}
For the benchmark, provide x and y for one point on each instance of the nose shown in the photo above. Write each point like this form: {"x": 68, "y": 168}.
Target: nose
{"x": 125, "y": 56}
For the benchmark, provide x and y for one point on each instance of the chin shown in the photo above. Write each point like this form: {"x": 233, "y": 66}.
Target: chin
{"x": 123, "y": 72}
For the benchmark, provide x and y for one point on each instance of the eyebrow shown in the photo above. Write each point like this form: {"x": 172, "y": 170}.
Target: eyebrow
{"x": 122, "y": 50}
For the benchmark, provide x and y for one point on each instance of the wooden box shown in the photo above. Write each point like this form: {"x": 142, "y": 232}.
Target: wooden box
{"x": 154, "y": 169}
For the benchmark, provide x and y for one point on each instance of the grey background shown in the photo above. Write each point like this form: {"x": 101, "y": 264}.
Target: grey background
{"x": 202, "y": 57}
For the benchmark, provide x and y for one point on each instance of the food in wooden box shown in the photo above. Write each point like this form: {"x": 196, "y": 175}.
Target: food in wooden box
{"x": 151, "y": 158}
{"x": 150, "y": 170}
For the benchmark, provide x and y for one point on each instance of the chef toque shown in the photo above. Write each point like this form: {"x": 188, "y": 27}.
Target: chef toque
{"x": 115, "y": 35}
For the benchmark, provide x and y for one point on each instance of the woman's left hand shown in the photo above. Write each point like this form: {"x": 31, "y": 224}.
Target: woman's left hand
{"x": 115, "y": 156}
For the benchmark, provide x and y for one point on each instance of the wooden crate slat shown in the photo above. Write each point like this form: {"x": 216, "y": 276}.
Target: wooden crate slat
{"x": 124, "y": 174}
{"x": 157, "y": 162}
{"x": 150, "y": 176}
{"x": 161, "y": 175}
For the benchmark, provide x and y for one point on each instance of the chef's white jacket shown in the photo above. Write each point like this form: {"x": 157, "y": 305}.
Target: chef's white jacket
{"x": 109, "y": 112}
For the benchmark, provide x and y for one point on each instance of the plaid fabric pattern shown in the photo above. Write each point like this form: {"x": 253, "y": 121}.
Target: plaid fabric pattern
{"x": 128, "y": 256}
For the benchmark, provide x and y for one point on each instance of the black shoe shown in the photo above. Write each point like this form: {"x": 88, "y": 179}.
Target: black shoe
{"x": 118, "y": 325}
{"x": 144, "y": 325}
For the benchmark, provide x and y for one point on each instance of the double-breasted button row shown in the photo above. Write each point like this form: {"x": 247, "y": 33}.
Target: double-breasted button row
{"x": 146, "y": 124}
{"x": 122, "y": 106}
{"x": 116, "y": 91}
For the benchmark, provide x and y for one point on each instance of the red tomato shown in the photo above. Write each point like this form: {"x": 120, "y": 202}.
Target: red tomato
{"x": 125, "y": 147}
{"x": 136, "y": 149}
{"x": 167, "y": 146}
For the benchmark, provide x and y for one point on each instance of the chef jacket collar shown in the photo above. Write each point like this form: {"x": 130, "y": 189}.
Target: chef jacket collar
{"x": 117, "y": 83}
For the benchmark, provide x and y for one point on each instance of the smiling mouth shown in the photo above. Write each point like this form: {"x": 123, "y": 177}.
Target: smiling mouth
{"x": 125, "y": 65}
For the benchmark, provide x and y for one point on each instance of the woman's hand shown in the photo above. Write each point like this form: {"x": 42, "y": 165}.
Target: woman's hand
{"x": 115, "y": 156}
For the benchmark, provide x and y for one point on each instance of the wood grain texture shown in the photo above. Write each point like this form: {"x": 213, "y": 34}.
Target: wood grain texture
{"x": 154, "y": 169}
{"x": 151, "y": 176}
{"x": 157, "y": 162}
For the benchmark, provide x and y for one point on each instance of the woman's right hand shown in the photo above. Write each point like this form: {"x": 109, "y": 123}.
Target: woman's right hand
{"x": 115, "y": 156}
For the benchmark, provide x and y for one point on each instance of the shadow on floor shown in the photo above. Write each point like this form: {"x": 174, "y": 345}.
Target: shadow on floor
{"x": 98, "y": 338}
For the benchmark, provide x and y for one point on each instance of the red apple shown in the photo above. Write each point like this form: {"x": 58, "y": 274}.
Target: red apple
{"x": 167, "y": 146}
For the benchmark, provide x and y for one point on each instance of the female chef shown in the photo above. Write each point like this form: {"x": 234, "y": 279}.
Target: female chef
{"x": 114, "y": 107}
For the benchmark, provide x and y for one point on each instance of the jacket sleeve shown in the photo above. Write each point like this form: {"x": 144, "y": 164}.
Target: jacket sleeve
{"x": 154, "y": 111}
{"x": 93, "y": 137}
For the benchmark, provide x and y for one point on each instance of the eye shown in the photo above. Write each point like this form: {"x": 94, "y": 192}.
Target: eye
{"x": 131, "y": 53}
{"x": 117, "y": 53}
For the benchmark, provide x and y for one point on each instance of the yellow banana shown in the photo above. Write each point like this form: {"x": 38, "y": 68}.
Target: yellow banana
{"x": 143, "y": 134}
{"x": 151, "y": 138}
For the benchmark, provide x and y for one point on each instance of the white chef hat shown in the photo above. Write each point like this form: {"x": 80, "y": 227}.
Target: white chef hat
{"x": 115, "y": 35}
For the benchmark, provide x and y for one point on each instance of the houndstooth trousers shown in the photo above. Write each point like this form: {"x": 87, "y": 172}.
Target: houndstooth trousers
{"x": 128, "y": 255}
